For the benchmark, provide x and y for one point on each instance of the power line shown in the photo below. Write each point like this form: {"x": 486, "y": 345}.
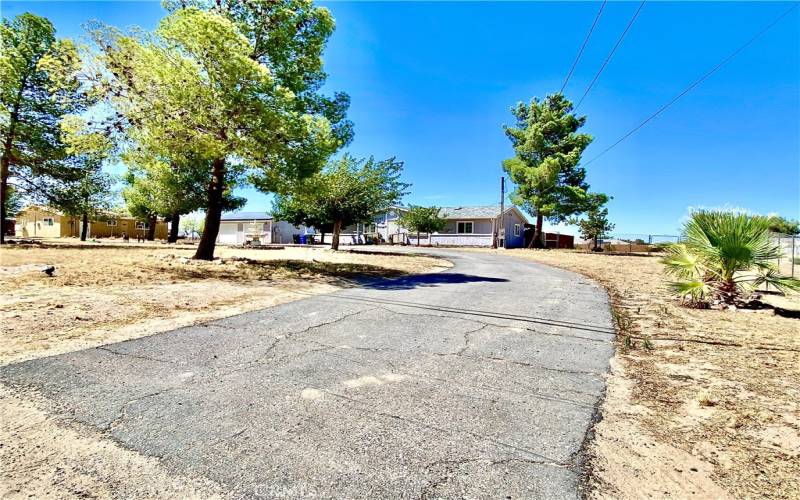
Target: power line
{"x": 697, "y": 82}
{"x": 611, "y": 54}
{"x": 585, "y": 41}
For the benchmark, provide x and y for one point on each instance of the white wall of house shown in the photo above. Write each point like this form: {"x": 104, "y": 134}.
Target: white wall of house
{"x": 231, "y": 233}
{"x": 479, "y": 226}
{"x": 283, "y": 232}
{"x": 269, "y": 231}
{"x": 454, "y": 240}
{"x": 392, "y": 232}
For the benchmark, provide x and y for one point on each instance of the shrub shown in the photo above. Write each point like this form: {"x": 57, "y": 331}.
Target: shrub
{"x": 724, "y": 255}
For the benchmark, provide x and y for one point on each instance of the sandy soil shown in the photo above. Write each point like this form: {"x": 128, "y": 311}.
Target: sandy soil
{"x": 104, "y": 294}
{"x": 42, "y": 458}
{"x": 710, "y": 410}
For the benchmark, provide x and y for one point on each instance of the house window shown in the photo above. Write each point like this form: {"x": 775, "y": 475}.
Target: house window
{"x": 111, "y": 222}
{"x": 516, "y": 229}
{"x": 48, "y": 221}
{"x": 464, "y": 227}
{"x": 142, "y": 225}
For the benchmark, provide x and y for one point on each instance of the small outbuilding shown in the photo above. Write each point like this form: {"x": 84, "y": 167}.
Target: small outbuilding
{"x": 237, "y": 228}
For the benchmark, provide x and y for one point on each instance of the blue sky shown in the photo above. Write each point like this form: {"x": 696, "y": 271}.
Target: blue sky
{"x": 431, "y": 83}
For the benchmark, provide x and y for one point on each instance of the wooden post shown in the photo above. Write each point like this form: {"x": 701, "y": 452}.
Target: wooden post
{"x": 502, "y": 209}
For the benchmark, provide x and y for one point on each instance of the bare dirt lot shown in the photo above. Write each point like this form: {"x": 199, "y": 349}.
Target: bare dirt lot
{"x": 102, "y": 294}
{"x": 711, "y": 409}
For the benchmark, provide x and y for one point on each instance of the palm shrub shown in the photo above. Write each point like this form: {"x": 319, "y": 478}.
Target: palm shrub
{"x": 724, "y": 255}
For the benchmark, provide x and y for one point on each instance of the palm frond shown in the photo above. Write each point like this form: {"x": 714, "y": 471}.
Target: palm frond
{"x": 721, "y": 248}
{"x": 696, "y": 289}
{"x": 681, "y": 263}
{"x": 774, "y": 278}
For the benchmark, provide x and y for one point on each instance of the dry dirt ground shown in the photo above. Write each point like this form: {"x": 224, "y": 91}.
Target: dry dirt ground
{"x": 105, "y": 294}
{"x": 708, "y": 406}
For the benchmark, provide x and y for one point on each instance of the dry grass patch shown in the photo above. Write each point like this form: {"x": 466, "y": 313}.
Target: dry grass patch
{"x": 712, "y": 410}
{"x": 103, "y": 294}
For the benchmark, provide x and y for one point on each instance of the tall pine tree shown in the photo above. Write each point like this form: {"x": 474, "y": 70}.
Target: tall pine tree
{"x": 545, "y": 169}
{"x": 39, "y": 86}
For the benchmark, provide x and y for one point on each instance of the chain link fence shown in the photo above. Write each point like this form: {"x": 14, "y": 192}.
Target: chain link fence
{"x": 788, "y": 263}
{"x": 631, "y": 243}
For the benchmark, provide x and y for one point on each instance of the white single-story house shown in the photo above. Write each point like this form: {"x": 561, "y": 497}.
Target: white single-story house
{"x": 475, "y": 226}
{"x": 240, "y": 227}
{"x": 386, "y": 225}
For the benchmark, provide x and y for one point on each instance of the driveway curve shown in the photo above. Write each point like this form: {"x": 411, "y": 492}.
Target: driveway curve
{"x": 479, "y": 381}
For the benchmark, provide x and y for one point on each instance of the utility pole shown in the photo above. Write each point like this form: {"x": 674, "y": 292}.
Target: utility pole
{"x": 502, "y": 208}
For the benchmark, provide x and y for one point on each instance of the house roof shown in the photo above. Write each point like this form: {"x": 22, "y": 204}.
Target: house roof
{"x": 246, "y": 216}
{"x": 476, "y": 212}
{"x": 107, "y": 214}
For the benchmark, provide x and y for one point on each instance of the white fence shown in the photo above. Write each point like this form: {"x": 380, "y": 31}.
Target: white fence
{"x": 454, "y": 240}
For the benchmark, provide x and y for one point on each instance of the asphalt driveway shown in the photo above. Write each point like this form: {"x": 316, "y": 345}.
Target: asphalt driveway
{"x": 480, "y": 381}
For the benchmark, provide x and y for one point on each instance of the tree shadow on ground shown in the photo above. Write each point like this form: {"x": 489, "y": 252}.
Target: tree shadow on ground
{"x": 427, "y": 280}
{"x": 757, "y": 305}
{"x": 241, "y": 270}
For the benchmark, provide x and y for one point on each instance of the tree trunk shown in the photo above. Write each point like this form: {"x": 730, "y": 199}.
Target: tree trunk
{"x": 417, "y": 238}
{"x": 5, "y": 161}
{"x": 594, "y": 239}
{"x": 208, "y": 241}
{"x": 4, "y": 168}
{"x": 3, "y": 192}
{"x": 337, "y": 229}
{"x": 85, "y": 228}
{"x": 536, "y": 241}
{"x": 151, "y": 231}
{"x": 173, "y": 228}
{"x": 322, "y": 235}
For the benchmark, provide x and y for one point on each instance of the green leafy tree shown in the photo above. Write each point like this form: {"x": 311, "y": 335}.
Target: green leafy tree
{"x": 422, "y": 220}
{"x": 723, "y": 256}
{"x": 298, "y": 210}
{"x": 782, "y": 225}
{"x": 347, "y": 191}
{"x": 288, "y": 37}
{"x": 595, "y": 226}
{"x": 176, "y": 188}
{"x": 549, "y": 182}
{"x": 192, "y": 224}
{"x": 87, "y": 193}
{"x": 141, "y": 200}
{"x": 39, "y": 85}
{"x": 194, "y": 87}
{"x": 13, "y": 201}
{"x": 87, "y": 197}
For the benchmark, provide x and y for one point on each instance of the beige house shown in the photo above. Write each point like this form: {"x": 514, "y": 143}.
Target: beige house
{"x": 43, "y": 222}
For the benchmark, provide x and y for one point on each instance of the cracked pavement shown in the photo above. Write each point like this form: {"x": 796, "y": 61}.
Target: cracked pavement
{"x": 479, "y": 381}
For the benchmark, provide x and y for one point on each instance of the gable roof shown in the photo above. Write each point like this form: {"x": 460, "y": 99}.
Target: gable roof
{"x": 246, "y": 216}
{"x": 477, "y": 212}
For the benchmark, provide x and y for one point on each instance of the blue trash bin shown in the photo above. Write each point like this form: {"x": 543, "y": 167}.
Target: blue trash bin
{"x": 302, "y": 239}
